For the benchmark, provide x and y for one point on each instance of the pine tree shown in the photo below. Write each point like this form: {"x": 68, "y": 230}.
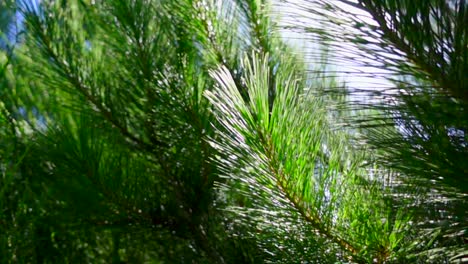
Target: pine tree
{"x": 192, "y": 132}
{"x": 414, "y": 110}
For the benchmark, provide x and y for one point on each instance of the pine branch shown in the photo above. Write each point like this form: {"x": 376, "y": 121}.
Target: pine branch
{"x": 309, "y": 216}
{"x": 241, "y": 118}
{"x": 83, "y": 89}
{"x": 438, "y": 78}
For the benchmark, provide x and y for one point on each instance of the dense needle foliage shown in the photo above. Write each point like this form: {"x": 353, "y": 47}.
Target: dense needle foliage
{"x": 193, "y": 131}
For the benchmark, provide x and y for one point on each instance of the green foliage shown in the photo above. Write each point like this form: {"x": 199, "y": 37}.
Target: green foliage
{"x": 300, "y": 179}
{"x": 416, "y": 119}
{"x": 189, "y": 132}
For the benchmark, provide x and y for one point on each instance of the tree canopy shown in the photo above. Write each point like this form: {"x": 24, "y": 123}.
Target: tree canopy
{"x": 195, "y": 131}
